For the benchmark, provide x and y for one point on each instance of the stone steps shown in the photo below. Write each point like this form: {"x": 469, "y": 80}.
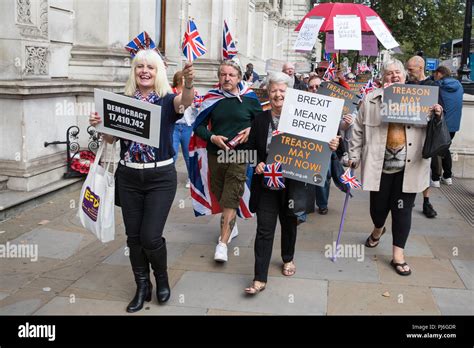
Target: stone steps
{"x": 15, "y": 202}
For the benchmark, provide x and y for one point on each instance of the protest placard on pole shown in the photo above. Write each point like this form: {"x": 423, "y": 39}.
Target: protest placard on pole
{"x": 347, "y": 33}
{"x": 382, "y": 33}
{"x": 310, "y": 115}
{"x": 128, "y": 118}
{"x": 308, "y": 34}
{"x": 302, "y": 159}
{"x": 408, "y": 103}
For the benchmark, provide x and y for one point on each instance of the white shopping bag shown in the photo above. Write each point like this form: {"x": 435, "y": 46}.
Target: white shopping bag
{"x": 97, "y": 200}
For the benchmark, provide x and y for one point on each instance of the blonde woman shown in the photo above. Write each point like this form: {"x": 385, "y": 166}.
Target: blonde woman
{"x": 146, "y": 176}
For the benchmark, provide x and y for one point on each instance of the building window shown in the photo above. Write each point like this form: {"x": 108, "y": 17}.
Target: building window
{"x": 161, "y": 24}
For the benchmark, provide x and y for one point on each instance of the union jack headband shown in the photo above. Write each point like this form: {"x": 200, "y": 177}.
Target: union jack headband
{"x": 142, "y": 41}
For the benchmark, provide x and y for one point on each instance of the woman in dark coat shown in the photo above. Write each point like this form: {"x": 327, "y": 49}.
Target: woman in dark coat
{"x": 271, "y": 204}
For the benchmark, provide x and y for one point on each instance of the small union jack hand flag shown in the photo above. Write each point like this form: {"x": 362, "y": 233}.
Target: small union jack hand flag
{"x": 369, "y": 87}
{"x": 349, "y": 179}
{"x": 229, "y": 50}
{"x": 330, "y": 73}
{"x": 273, "y": 176}
{"x": 193, "y": 47}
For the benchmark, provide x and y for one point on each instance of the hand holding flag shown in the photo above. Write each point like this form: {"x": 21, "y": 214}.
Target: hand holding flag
{"x": 349, "y": 179}
{"x": 273, "y": 176}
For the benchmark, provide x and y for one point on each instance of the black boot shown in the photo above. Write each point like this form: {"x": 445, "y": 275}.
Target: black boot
{"x": 158, "y": 260}
{"x": 141, "y": 271}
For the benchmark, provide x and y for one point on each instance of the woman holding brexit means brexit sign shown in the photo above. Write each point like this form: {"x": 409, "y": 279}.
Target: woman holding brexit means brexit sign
{"x": 146, "y": 176}
{"x": 269, "y": 202}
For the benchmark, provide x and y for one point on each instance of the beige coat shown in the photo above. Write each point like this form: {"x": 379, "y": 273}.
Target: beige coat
{"x": 367, "y": 147}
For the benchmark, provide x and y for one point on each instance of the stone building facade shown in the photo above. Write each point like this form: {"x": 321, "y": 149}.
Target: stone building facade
{"x": 53, "y": 53}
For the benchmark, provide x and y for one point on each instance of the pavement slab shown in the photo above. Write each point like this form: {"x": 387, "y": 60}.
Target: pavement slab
{"x": 425, "y": 272}
{"x": 457, "y": 248}
{"x": 48, "y": 241}
{"x": 201, "y": 258}
{"x": 31, "y": 297}
{"x": 465, "y": 270}
{"x": 315, "y": 265}
{"x": 352, "y": 298}
{"x": 454, "y": 302}
{"x": 282, "y": 296}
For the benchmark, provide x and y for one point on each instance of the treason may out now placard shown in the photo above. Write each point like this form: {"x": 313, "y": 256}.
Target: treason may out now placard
{"x": 128, "y": 118}
{"x": 302, "y": 159}
{"x": 408, "y": 103}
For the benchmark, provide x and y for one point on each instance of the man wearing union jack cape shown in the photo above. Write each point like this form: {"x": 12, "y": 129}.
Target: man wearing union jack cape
{"x": 224, "y": 123}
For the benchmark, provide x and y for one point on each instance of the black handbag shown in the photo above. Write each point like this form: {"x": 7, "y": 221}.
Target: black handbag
{"x": 437, "y": 138}
{"x": 300, "y": 197}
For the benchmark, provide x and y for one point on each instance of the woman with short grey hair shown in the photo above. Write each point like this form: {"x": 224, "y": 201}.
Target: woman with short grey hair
{"x": 271, "y": 203}
{"x": 392, "y": 166}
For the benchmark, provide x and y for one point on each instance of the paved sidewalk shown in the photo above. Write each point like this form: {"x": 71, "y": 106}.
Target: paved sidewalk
{"x": 76, "y": 274}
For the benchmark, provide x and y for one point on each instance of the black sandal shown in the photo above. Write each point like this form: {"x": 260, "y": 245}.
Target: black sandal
{"x": 403, "y": 273}
{"x": 372, "y": 240}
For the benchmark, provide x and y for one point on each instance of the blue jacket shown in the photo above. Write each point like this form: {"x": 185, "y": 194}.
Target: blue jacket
{"x": 451, "y": 93}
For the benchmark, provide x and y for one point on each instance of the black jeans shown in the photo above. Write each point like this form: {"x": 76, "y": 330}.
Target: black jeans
{"x": 146, "y": 196}
{"x": 271, "y": 206}
{"x": 446, "y": 163}
{"x": 390, "y": 198}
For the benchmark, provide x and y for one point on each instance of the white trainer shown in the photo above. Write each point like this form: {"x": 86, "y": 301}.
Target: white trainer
{"x": 221, "y": 253}
{"x": 447, "y": 181}
{"x": 435, "y": 183}
{"x": 233, "y": 234}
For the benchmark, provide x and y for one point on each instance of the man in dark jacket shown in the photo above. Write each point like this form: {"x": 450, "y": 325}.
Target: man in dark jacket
{"x": 416, "y": 75}
{"x": 451, "y": 92}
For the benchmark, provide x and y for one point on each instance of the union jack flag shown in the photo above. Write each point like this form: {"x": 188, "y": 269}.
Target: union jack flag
{"x": 369, "y": 87}
{"x": 228, "y": 46}
{"x": 330, "y": 73}
{"x": 273, "y": 176}
{"x": 193, "y": 47}
{"x": 349, "y": 179}
{"x": 141, "y": 42}
{"x": 203, "y": 200}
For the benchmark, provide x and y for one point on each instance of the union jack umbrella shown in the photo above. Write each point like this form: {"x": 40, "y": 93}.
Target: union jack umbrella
{"x": 229, "y": 50}
{"x": 273, "y": 176}
{"x": 193, "y": 47}
{"x": 141, "y": 42}
{"x": 349, "y": 179}
{"x": 330, "y": 73}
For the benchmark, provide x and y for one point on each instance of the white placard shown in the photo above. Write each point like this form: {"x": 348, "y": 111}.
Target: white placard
{"x": 347, "y": 33}
{"x": 382, "y": 33}
{"x": 128, "y": 118}
{"x": 310, "y": 115}
{"x": 308, "y": 34}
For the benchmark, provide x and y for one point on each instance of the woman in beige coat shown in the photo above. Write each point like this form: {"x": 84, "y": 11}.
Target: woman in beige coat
{"x": 392, "y": 167}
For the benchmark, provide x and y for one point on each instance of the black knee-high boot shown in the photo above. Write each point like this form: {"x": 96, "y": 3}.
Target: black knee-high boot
{"x": 158, "y": 260}
{"x": 141, "y": 271}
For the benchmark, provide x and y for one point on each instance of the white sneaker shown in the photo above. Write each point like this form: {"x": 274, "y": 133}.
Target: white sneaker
{"x": 233, "y": 234}
{"x": 188, "y": 184}
{"x": 447, "y": 181}
{"x": 435, "y": 183}
{"x": 221, "y": 253}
